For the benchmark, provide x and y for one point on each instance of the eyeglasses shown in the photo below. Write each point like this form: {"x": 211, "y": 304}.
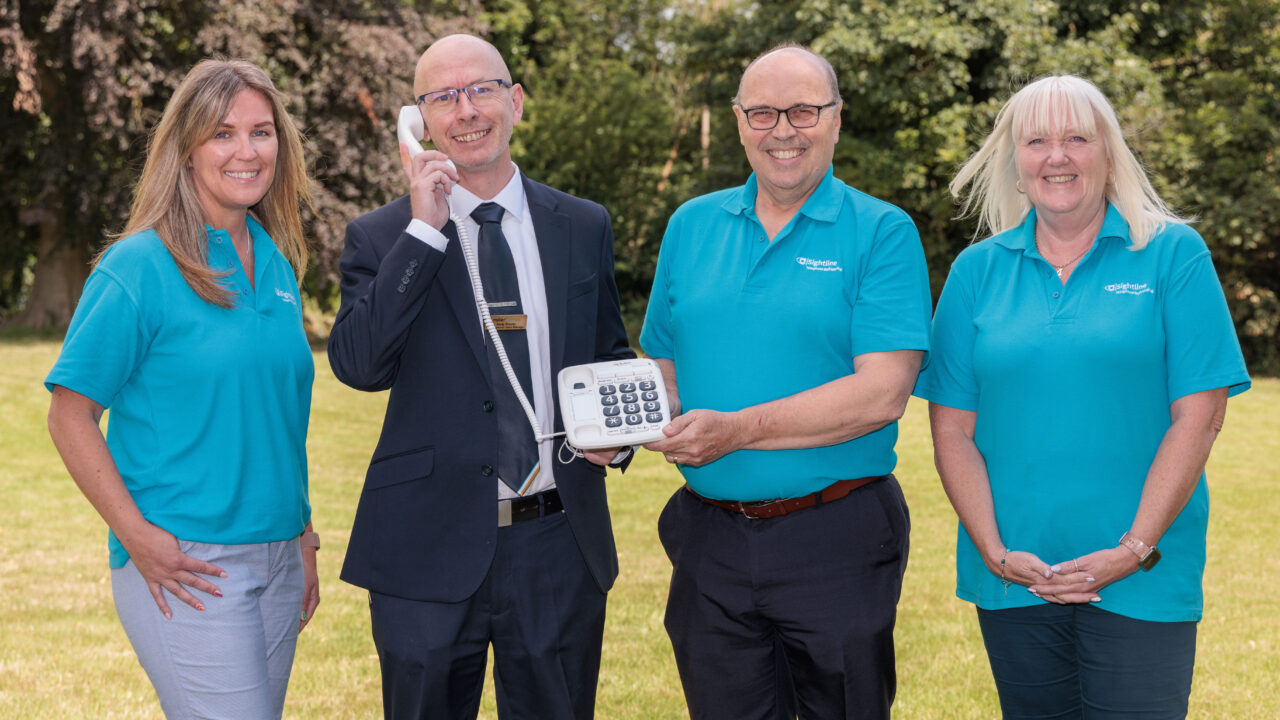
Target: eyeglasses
{"x": 480, "y": 93}
{"x": 800, "y": 116}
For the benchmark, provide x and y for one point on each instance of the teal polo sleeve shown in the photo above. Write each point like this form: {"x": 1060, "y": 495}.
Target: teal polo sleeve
{"x": 1201, "y": 348}
{"x": 948, "y": 379}
{"x": 106, "y": 341}
{"x": 891, "y": 310}
{"x": 656, "y": 335}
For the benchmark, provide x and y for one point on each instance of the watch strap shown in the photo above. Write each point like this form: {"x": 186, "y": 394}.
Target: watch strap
{"x": 310, "y": 539}
{"x": 1148, "y": 555}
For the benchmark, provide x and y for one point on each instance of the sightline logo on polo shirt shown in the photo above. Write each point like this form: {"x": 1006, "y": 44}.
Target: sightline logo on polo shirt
{"x": 1128, "y": 288}
{"x": 287, "y": 297}
{"x": 819, "y": 265}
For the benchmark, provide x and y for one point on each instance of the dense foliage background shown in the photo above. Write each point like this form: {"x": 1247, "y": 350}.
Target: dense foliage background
{"x": 629, "y": 105}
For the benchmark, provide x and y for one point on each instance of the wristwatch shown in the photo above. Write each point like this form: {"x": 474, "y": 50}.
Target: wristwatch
{"x": 310, "y": 539}
{"x": 1147, "y": 556}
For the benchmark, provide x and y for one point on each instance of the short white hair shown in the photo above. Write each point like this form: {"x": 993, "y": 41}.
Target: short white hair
{"x": 1046, "y": 107}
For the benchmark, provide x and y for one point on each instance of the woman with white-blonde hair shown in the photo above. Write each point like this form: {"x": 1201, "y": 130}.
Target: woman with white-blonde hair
{"x": 1081, "y": 362}
{"x": 190, "y": 330}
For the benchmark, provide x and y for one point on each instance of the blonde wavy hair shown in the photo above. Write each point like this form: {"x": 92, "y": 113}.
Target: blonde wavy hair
{"x": 166, "y": 200}
{"x": 1046, "y": 107}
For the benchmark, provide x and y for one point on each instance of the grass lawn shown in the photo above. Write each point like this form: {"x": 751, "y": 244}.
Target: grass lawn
{"x": 64, "y": 655}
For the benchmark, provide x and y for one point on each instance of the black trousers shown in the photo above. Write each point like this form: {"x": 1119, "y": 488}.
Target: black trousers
{"x": 540, "y": 609}
{"x": 791, "y": 616}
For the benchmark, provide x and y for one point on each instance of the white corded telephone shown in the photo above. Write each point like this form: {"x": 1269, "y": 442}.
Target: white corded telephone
{"x": 595, "y": 411}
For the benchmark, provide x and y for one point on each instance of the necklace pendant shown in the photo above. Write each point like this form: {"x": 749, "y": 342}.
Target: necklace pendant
{"x": 1059, "y": 271}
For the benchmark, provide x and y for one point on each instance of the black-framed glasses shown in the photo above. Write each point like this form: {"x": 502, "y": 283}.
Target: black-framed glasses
{"x": 800, "y": 116}
{"x": 480, "y": 93}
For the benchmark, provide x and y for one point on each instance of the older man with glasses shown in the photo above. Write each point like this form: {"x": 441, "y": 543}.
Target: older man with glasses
{"x": 469, "y": 533}
{"x": 789, "y": 541}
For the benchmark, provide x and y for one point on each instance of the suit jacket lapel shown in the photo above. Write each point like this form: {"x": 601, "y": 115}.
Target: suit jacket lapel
{"x": 554, "y": 232}
{"x": 456, "y": 283}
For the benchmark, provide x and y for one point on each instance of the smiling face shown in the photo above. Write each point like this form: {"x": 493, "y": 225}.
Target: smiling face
{"x": 233, "y": 169}
{"x": 1064, "y": 174}
{"x": 476, "y": 138}
{"x": 788, "y": 163}
{"x": 1062, "y": 160}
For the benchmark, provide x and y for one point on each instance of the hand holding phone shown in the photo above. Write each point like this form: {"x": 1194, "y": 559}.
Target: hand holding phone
{"x": 431, "y": 173}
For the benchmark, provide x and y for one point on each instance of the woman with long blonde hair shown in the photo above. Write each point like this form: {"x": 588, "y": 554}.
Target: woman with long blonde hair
{"x": 190, "y": 330}
{"x": 1081, "y": 360}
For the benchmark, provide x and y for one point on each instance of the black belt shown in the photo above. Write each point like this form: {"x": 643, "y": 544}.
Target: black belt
{"x": 528, "y": 508}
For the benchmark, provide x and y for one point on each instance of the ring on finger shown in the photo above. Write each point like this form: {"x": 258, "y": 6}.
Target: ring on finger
{"x": 1076, "y": 562}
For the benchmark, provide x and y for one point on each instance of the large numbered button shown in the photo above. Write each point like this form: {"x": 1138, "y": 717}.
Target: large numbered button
{"x": 631, "y": 409}
{"x": 652, "y": 407}
{"x": 648, "y": 385}
{"x": 633, "y": 419}
{"x": 630, "y": 398}
{"x": 612, "y": 411}
{"x": 653, "y": 417}
{"x": 649, "y": 395}
{"x": 608, "y": 389}
{"x": 609, "y": 400}
{"x": 627, "y": 387}
{"x": 613, "y": 422}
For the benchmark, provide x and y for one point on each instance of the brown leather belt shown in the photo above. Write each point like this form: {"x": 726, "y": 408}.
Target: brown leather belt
{"x": 774, "y": 508}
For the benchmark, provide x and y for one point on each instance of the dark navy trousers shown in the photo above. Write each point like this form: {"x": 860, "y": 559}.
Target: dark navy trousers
{"x": 790, "y": 616}
{"x": 1080, "y": 662}
{"x": 539, "y": 608}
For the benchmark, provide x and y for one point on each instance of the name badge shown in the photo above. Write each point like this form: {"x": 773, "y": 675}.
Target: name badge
{"x": 510, "y": 322}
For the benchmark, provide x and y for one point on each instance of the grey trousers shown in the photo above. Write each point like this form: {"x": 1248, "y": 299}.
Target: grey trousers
{"x": 233, "y": 659}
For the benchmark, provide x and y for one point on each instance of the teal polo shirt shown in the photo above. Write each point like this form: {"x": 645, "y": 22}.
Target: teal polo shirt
{"x": 747, "y": 320}
{"x": 1071, "y": 387}
{"x": 209, "y": 406}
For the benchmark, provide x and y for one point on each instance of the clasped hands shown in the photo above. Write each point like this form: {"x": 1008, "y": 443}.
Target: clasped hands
{"x": 1073, "y": 581}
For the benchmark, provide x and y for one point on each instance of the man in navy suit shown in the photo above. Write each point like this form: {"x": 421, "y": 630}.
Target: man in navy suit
{"x": 470, "y": 531}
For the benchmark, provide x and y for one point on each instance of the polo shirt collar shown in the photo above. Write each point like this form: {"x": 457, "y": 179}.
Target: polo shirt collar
{"x": 823, "y": 205}
{"x": 1023, "y": 237}
{"x": 256, "y": 231}
{"x": 263, "y": 246}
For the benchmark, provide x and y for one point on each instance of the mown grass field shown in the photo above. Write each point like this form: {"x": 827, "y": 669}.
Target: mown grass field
{"x": 64, "y": 655}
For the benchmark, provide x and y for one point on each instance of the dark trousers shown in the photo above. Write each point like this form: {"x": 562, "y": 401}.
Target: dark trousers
{"x": 790, "y": 616}
{"x": 540, "y": 609}
{"x": 1079, "y": 662}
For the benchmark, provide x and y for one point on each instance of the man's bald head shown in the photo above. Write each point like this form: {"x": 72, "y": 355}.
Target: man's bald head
{"x": 818, "y": 61}
{"x": 454, "y": 51}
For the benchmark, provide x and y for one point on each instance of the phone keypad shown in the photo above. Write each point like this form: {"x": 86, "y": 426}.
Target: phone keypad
{"x": 621, "y": 404}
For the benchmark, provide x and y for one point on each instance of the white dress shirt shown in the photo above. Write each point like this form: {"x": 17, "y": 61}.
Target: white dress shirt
{"x": 517, "y": 226}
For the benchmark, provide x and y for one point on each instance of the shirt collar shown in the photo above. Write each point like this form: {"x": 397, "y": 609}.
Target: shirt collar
{"x": 1023, "y": 237}
{"x": 256, "y": 231}
{"x": 510, "y": 197}
{"x": 824, "y": 204}
{"x": 263, "y": 246}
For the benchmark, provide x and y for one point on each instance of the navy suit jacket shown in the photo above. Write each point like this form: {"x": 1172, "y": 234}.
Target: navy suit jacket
{"x": 426, "y": 524}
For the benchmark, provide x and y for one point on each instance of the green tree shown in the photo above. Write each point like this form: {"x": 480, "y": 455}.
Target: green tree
{"x": 599, "y": 114}
{"x": 85, "y": 81}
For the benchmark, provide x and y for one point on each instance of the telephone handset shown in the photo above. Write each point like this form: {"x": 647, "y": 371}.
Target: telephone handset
{"x": 591, "y": 429}
{"x": 410, "y": 130}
